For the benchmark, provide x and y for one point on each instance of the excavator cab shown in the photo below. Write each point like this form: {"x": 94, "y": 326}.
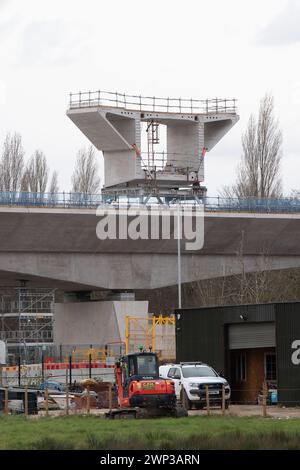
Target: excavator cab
{"x": 142, "y": 365}
{"x": 137, "y": 367}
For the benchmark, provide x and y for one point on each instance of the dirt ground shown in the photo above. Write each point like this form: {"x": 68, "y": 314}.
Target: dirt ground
{"x": 252, "y": 410}
{"x": 234, "y": 410}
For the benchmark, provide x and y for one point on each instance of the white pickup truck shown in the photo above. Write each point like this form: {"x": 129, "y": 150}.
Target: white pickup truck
{"x": 191, "y": 378}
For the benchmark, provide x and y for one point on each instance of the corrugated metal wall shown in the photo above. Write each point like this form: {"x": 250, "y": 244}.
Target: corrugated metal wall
{"x": 253, "y": 313}
{"x": 202, "y": 334}
{"x": 200, "y": 337}
{"x": 287, "y": 336}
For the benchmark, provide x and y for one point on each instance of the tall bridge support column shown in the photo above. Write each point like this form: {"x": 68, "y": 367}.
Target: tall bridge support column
{"x": 94, "y": 323}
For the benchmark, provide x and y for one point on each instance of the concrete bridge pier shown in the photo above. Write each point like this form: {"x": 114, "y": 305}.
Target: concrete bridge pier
{"x": 95, "y": 322}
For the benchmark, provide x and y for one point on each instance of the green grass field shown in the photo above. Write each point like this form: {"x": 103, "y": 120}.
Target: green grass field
{"x": 199, "y": 432}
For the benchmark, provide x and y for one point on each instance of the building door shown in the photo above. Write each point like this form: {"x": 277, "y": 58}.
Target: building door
{"x": 251, "y": 335}
{"x": 252, "y": 359}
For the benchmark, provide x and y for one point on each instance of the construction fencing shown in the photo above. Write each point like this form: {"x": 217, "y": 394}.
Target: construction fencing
{"x": 91, "y": 396}
{"x": 63, "y": 372}
{"x": 99, "y": 398}
{"x": 57, "y": 386}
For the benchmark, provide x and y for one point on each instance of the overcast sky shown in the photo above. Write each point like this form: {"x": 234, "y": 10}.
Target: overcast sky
{"x": 196, "y": 48}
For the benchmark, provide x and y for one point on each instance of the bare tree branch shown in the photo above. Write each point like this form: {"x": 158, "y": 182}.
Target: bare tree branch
{"x": 54, "y": 188}
{"x": 35, "y": 177}
{"x": 85, "y": 177}
{"x": 12, "y": 163}
{"x": 295, "y": 194}
{"x": 258, "y": 174}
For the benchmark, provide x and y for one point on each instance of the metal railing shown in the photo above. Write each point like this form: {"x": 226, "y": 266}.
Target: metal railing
{"x": 88, "y": 99}
{"x": 67, "y": 200}
{"x": 28, "y": 335}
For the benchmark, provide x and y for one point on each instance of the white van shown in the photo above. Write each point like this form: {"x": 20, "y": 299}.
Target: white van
{"x": 191, "y": 378}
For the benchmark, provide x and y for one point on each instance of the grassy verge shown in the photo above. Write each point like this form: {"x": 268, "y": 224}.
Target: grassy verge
{"x": 89, "y": 432}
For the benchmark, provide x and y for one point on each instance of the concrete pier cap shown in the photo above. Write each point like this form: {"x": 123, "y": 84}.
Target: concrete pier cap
{"x": 113, "y": 123}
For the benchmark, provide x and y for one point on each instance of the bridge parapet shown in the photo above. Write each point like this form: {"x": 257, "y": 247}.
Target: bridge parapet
{"x": 69, "y": 200}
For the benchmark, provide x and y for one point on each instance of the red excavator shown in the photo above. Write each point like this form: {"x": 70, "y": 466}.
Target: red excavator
{"x": 141, "y": 392}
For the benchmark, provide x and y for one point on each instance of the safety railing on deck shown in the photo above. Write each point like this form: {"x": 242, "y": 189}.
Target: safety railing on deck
{"x": 89, "y": 99}
{"x": 67, "y": 200}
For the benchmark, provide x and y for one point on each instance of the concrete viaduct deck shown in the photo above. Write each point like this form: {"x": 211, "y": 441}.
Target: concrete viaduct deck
{"x": 59, "y": 248}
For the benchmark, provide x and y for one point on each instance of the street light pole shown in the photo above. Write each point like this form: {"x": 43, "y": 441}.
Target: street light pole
{"x": 179, "y": 255}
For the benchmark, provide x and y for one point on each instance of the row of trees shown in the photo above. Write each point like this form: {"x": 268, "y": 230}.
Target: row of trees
{"x": 18, "y": 175}
{"x": 258, "y": 174}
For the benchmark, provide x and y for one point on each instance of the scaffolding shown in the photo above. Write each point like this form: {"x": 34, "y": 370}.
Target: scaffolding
{"x": 26, "y": 317}
{"x": 156, "y": 333}
{"x": 152, "y": 140}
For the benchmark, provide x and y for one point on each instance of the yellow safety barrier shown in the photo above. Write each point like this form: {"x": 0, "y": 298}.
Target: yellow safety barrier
{"x": 156, "y": 332}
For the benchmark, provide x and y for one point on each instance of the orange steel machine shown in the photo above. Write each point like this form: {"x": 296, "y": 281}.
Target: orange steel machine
{"x": 141, "y": 392}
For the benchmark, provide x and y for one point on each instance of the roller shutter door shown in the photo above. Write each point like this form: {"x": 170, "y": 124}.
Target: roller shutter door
{"x": 252, "y": 335}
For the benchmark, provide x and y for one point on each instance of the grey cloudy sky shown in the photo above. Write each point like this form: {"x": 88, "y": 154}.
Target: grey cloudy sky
{"x": 196, "y": 48}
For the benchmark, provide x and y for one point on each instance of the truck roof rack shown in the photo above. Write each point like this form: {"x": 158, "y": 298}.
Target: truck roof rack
{"x": 189, "y": 363}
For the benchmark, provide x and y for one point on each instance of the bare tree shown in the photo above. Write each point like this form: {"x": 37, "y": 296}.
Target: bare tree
{"x": 25, "y": 181}
{"x": 12, "y": 163}
{"x": 265, "y": 285}
{"x": 35, "y": 177}
{"x": 54, "y": 188}
{"x": 295, "y": 194}
{"x": 258, "y": 174}
{"x": 85, "y": 177}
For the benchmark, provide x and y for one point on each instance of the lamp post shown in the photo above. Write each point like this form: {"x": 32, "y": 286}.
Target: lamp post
{"x": 179, "y": 255}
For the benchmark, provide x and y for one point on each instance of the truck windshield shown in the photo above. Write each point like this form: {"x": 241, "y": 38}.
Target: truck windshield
{"x": 198, "y": 371}
{"x": 147, "y": 365}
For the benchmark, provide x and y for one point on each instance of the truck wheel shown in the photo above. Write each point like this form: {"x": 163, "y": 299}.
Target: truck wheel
{"x": 185, "y": 401}
{"x": 180, "y": 412}
{"x": 227, "y": 404}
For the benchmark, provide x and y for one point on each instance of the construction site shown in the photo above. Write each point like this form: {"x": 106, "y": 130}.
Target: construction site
{"x": 79, "y": 330}
{"x": 149, "y": 232}
{"x": 154, "y": 151}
